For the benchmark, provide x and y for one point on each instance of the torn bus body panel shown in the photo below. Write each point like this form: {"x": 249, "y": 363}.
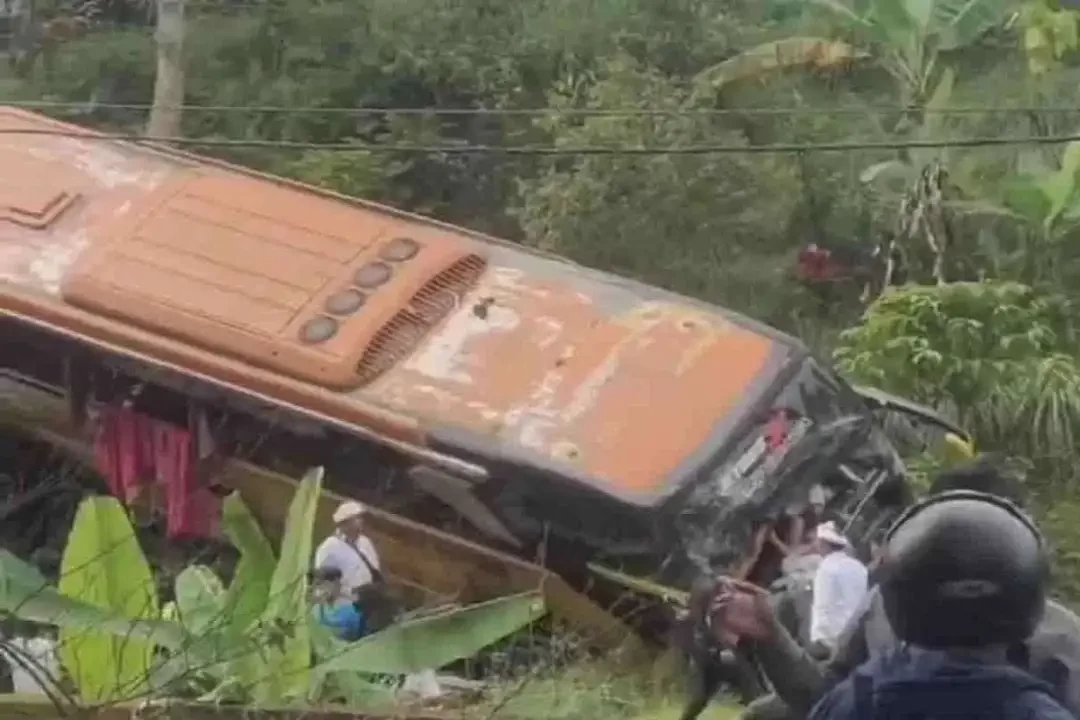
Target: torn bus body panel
{"x": 815, "y": 432}
{"x": 549, "y": 407}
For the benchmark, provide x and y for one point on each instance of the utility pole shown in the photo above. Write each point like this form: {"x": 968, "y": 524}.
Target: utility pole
{"x": 166, "y": 112}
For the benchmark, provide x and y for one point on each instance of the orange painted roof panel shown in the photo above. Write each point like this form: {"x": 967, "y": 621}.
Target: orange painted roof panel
{"x": 221, "y": 270}
{"x": 227, "y": 263}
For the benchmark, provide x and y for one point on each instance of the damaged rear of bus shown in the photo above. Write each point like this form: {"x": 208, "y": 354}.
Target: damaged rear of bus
{"x": 514, "y": 397}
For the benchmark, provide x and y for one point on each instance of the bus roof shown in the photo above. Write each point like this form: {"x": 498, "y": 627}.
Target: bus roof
{"x": 426, "y": 332}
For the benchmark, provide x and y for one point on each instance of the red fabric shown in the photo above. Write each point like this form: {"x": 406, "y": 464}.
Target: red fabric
{"x": 815, "y": 265}
{"x": 776, "y": 431}
{"x": 192, "y": 510}
{"x": 124, "y": 451}
{"x": 133, "y": 450}
{"x": 106, "y": 455}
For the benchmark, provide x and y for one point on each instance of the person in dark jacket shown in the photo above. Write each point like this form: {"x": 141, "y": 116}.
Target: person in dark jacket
{"x": 711, "y": 662}
{"x": 964, "y": 577}
{"x": 1052, "y": 653}
{"x": 911, "y": 683}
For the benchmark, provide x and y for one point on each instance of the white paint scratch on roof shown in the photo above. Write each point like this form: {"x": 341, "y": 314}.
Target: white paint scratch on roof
{"x": 445, "y": 356}
{"x": 50, "y": 265}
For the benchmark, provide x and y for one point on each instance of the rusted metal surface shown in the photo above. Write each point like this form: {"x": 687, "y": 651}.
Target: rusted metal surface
{"x": 621, "y": 391}
{"x": 620, "y": 387}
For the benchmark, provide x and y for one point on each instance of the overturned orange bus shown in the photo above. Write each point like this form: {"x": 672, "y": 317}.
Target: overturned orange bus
{"x": 443, "y": 374}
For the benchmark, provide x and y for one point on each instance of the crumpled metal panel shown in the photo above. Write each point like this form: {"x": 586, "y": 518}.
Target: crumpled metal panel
{"x": 827, "y": 425}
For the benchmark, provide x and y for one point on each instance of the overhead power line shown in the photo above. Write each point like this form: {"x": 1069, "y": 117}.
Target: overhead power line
{"x": 545, "y": 111}
{"x": 555, "y": 149}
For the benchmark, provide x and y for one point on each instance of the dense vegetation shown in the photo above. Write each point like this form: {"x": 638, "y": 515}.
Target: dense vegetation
{"x": 984, "y": 230}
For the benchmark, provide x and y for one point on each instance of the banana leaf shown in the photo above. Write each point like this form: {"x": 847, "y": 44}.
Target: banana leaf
{"x": 283, "y": 666}
{"x": 26, "y": 594}
{"x": 436, "y": 640}
{"x": 104, "y": 566}
{"x": 789, "y": 53}
{"x": 1060, "y": 187}
{"x": 245, "y": 600}
{"x": 200, "y": 600}
{"x": 962, "y": 22}
{"x": 353, "y": 689}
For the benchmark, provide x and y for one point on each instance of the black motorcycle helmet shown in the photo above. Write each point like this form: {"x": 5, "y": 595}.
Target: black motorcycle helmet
{"x": 963, "y": 569}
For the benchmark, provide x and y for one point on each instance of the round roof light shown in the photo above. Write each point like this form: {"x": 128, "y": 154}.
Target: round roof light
{"x": 318, "y": 330}
{"x": 344, "y": 302}
{"x": 399, "y": 249}
{"x": 372, "y": 275}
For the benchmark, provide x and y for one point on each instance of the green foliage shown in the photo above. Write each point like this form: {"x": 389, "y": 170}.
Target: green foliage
{"x": 898, "y": 175}
{"x": 282, "y": 672}
{"x": 910, "y": 34}
{"x": 104, "y": 566}
{"x": 1058, "y": 518}
{"x": 723, "y": 227}
{"x": 27, "y": 594}
{"x": 435, "y": 640}
{"x": 199, "y": 598}
{"x": 1049, "y": 33}
{"x": 117, "y": 70}
{"x": 245, "y": 599}
{"x": 216, "y": 646}
{"x": 589, "y": 690}
{"x": 360, "y": 174}
{"x": 680, "y": 221}
{"x": 1046, "y": 196}
{"x": 1001, "y": 356}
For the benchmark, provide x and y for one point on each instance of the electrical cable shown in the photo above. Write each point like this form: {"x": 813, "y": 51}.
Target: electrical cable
{"x": 541, "y": 112}
{"x": 554, "y": 150}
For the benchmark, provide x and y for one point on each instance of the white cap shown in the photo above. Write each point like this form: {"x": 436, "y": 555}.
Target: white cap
{"x": 348, "y": 509}
{"x": 827, "y": 531}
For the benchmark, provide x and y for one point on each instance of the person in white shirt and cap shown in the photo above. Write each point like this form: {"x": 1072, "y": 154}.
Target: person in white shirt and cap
{"x": 349, "y": 550}
{"x": 840, "y": 583}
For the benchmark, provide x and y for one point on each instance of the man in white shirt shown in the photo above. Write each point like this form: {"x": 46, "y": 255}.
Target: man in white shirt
{"x": 840, "y": 584}
{"x": 349, "y": 550}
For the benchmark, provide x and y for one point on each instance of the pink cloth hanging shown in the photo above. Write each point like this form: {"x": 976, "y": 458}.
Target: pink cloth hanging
{"x": 123, "y": 449}
{"x": 193, "y": 511}
{"x": 133, "y": 450}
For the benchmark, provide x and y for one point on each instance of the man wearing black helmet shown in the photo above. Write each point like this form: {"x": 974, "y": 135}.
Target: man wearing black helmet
{"x": 964, "y": 576}
{"x": 1053, "y": 652}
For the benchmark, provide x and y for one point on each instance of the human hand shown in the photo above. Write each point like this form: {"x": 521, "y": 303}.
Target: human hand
{"x": 741, "y": 610}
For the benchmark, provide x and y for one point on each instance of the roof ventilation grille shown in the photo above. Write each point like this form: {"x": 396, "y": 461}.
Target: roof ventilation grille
{"x": 434, "y": 301}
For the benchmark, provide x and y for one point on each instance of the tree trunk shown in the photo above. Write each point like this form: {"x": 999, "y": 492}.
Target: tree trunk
{"x": 165, "y": 115}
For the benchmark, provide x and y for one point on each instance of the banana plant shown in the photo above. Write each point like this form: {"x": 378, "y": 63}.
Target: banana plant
{"x": 794, "y": 53}
{"x": 1046, "y": 196}
{"x": 103, "y": 565}
{"x": 896, "y": 176}
{"x": 252, "y": 641}
{"x": 908, "y": 36}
